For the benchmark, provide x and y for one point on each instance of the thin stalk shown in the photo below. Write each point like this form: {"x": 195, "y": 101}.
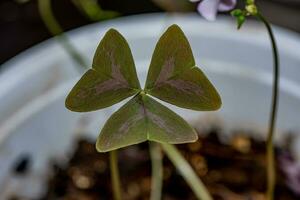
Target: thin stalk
{"x": 115, "y": 177}
{"x": 45, "y": 10}
{"x": 157, "y": 171}
{"x": 187, "y": 172}
{"x": 271, "y": 170}
{"x": 55, "y": 29}
{"x": 93, "y": 10}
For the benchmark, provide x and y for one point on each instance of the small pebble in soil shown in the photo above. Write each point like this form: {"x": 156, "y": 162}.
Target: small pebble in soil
{"x": 241, "y": 143}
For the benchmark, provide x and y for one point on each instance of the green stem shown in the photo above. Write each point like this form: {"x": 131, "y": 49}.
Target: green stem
{"x": 51, "y": 23}
{"x": 115, "y": 177}
{"x": 93, "y": 10}
{"x": 157, "y": 170}
{"x": 187, "y": 172}
{"x": 56, "y": 30}
{"x": 271, "y": 170}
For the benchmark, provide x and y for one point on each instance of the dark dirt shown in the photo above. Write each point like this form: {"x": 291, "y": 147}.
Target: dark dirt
{"x": 234, "y": 171}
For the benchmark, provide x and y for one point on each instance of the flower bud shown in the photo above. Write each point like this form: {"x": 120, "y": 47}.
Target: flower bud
{"x": 251, "y": 9}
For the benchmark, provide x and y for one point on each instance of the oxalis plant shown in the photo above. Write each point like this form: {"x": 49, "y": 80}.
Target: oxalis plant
{"x": 81, "y": 98}
{"x": 173, "y": 77}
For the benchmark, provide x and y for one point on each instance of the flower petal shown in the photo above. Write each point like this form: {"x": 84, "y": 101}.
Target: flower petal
{"x": 208, "y": 9}
{"x": 226, "y": 5}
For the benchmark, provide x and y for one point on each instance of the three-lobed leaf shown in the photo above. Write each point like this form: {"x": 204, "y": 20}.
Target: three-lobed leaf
{"x": 112, "y": 78}
{"x": 173, "y": 77}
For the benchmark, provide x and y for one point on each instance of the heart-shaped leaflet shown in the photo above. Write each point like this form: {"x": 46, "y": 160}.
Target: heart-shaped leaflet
{"x": 174, "y": 77}
{"x": 112, "y": 77}
{"x": 141, "y": 119}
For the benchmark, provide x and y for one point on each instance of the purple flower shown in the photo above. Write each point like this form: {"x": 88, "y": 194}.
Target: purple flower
{"x": 209, "y": 8}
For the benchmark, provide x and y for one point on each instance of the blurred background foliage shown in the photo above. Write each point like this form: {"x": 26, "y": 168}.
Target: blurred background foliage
{"x": 22, "y": 26}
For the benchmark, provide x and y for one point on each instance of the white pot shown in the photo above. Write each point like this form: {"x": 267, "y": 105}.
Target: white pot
{"x": 34, "y": 85}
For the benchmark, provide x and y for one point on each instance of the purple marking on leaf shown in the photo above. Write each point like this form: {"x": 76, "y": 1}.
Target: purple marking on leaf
{"x": 166, "y": 71}
{"x": 131, "y": 121}
{"x": 185, "y": 86}
{"x": 116, "y": 81}
{"x": 169, "y": 128}
{"x": 123, "y": 129}
{"x": 182, "y": 85}
{"x": 82, "y": 94}
{"x": 161, "y": 123}
{"x": 115, "y": 70}
{"x": 108, "y": 85}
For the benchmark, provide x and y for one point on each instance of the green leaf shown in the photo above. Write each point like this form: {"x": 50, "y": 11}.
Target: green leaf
{"x": 240, "y": 17}
{"x": 173, "y": 76}
{"x": 141, "y": 119}
{"x": 112, "y": 78}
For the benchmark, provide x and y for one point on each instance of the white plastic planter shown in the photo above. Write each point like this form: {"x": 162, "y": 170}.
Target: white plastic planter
{"x": 33, "y": 87}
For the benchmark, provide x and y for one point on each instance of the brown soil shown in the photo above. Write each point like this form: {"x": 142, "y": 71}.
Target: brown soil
{"x": 234, "y": 171}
